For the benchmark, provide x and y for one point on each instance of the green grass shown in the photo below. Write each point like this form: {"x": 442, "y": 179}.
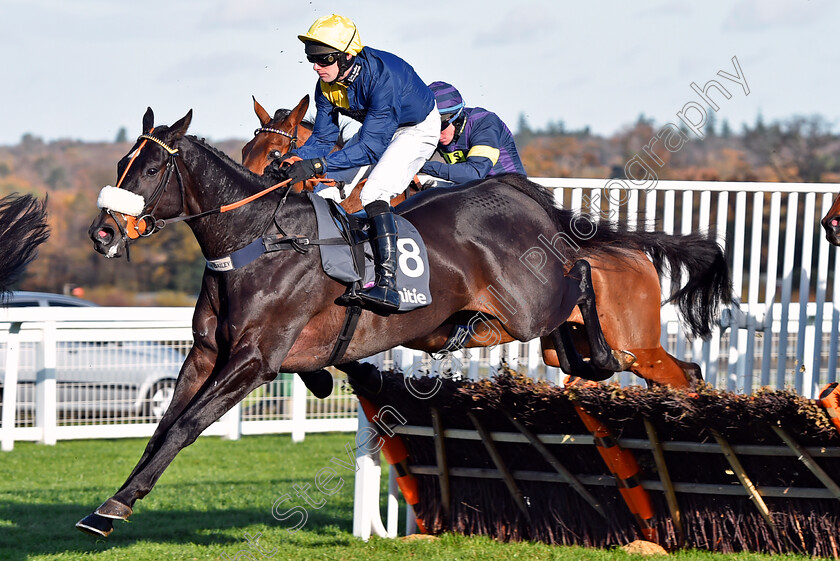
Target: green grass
{"x": 213, "y": 494}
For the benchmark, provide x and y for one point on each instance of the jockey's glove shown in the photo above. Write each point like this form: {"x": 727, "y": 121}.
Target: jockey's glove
{"x": 302, "y": 170}
{"x": 276, "y": 170}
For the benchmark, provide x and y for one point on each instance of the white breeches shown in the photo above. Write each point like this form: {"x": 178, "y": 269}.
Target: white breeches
{"x": 408, "y": 150}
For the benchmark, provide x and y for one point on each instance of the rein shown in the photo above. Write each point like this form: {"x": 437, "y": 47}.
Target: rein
{"x": 146, "y": 224}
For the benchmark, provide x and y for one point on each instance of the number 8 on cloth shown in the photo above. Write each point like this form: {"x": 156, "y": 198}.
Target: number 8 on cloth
{"x": 412, "y": 267}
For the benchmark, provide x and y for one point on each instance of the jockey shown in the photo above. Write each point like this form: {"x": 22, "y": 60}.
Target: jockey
{"x": 399, "y": 131}
{"x": 474, "y": 142}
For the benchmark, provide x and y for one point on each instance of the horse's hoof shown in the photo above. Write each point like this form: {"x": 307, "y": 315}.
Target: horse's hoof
{"x": 625, "y": 359}
{"x": 365, "y": 376}
{"x": 114, "y": 509}
{"x": 320, "y": 382}
{"x": 96, "y": 525}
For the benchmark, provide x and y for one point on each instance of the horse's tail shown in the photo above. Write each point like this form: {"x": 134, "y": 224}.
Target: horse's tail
{"x": 23, "y": 227}
{"x": 708, "y": 284}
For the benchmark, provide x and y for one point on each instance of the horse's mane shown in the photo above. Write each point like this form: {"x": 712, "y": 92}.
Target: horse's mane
{"x": 227, "y": 159}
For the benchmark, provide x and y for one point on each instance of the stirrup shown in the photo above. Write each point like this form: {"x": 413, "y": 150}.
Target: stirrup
{"x": 381, "y": 299}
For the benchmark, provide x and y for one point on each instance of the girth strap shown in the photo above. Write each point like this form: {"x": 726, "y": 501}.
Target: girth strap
{"x": 351, "y": 319}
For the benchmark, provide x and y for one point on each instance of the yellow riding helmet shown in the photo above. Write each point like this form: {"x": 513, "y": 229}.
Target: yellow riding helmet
{"x": 336, "y": 31}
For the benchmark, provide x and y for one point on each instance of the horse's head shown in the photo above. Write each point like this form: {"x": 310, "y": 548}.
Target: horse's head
{"x": 276, "y": 136}
{"x": 831, "y": 222}
{"x": 149, "y": 188}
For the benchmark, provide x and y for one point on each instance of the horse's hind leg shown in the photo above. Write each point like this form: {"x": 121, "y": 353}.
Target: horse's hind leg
{"x": 656, "y": 366}
{"x": 692, "y": 371}
{"x": 570, "y": 360}
{"x": 602, "y": 356}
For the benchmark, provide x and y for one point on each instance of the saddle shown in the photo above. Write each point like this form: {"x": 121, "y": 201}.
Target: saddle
{"x": 352, "y": 262}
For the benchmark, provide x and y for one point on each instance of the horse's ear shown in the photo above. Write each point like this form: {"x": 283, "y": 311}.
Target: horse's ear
{"x": 179, "y": 129}
{"x": 262, "y": 114}
{"x": 297, "y": 114}
{"x": 148, "y": 120}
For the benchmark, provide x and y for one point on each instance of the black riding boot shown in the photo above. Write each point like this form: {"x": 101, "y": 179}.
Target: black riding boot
{"x": 383, "y": 296}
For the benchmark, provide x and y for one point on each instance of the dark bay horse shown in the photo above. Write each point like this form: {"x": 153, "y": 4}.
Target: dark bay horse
{"x": 279, "y": 312}
{"x": 831, "y": 222}
{"x": 23, "y": 227}
{"x": 626, "y": 283}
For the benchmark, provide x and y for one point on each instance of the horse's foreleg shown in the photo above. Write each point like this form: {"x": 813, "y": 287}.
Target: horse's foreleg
{"x": 602, "y": 356}
{"x": 199, "y": 365}
{"x": 219, "y": 394}
{"x": 197, "y": 368}
{"x": 363, "y": 375}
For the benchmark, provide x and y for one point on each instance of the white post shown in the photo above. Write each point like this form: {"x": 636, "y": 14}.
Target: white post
{"x": 534, "y": 358}
{"x": 232, "y": 421}
{"x": 494, "y": 359}
{"x": 393, "y": 511}
{"x": 791, "y": 230}
{"x": 737, "y": 336}
{"x": 366, "y": 516}
{"x": 298, "y": 409}
{"x": 7, "y": 424}
{"x": 46, "y": 400}
{"x": 805, "y": 341}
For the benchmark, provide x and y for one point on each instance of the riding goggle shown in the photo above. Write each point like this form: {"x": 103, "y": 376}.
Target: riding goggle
{"x": 324, "y": 60}
{"x": 447, "y": 119}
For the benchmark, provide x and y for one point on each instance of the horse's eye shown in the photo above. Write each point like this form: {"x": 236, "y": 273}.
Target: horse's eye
{"x": 274, "y": 154}
{"x": 152, "y": 171}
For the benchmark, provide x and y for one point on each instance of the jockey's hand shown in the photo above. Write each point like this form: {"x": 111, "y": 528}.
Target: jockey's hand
{"x": 304, "y": 169}
{"x": 288, "y": 158}
{"x": 278, "y": 167}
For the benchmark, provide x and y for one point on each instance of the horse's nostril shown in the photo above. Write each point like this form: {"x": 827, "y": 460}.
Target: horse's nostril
{"x": 102, "y": 234}
{"x": 835, "y": 222}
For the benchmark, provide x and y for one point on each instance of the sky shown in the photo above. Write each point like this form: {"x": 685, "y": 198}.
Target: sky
{"x": 84, "y": 69}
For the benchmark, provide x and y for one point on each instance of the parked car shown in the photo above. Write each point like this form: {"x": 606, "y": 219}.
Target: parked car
{"x": 95, "y": 379}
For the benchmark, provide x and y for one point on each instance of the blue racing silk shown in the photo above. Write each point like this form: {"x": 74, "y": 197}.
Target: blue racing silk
{"x": 383, "y": 92}
{"x": 483, "y": 146}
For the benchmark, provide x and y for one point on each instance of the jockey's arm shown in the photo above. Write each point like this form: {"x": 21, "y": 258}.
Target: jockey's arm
{"x": 475, "y": 167}
{"x": 325, "y": 131}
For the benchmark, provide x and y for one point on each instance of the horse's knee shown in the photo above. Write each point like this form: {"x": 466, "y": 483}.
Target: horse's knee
{"x": 364, "y": 376}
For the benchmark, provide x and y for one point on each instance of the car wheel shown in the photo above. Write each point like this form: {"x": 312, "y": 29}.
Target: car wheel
{"x": 159, "y": 399}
